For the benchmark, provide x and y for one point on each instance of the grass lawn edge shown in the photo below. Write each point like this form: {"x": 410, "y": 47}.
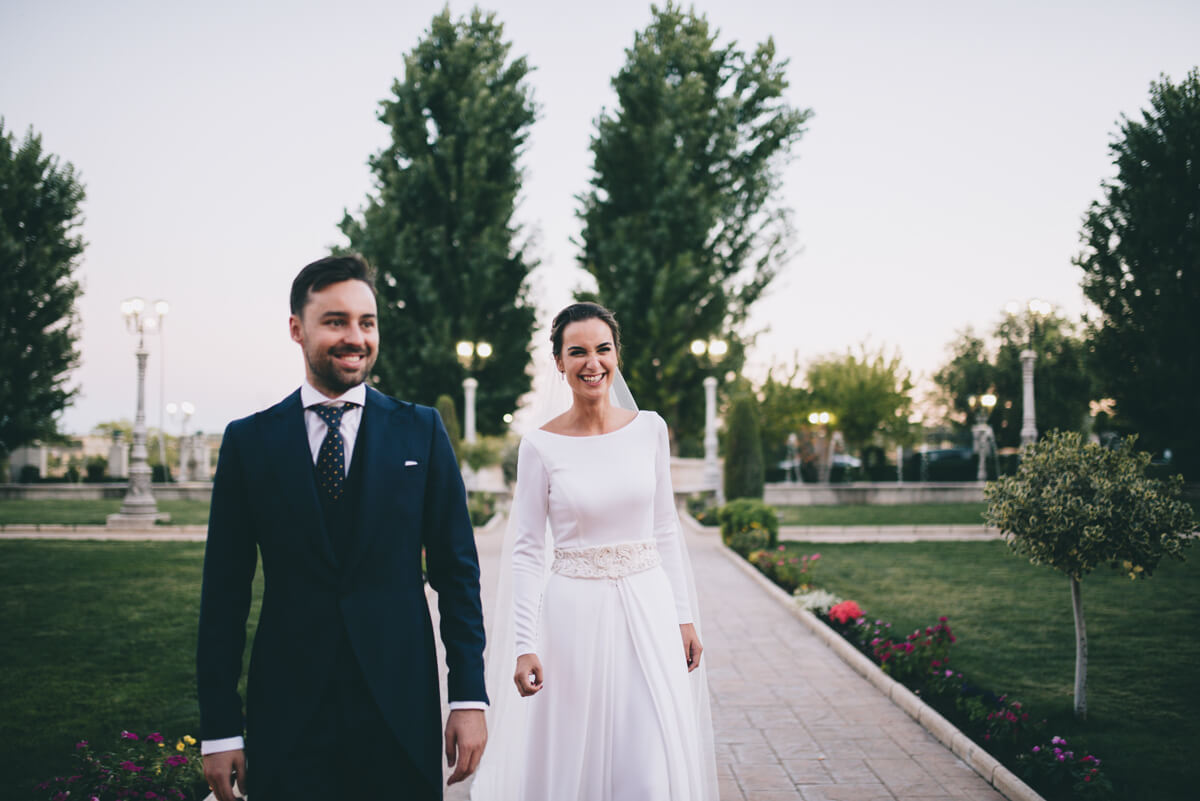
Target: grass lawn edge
{"x": 988, "y": 767}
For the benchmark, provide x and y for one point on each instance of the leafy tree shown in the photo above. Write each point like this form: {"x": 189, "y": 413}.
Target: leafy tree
{"x": 1063, "y": 380}
{"x": 1141, "y": 267}
{"x": 868, "y": 394}
{"x": 439, "y": 230}
{"x": 679, "y": 228}
{"x": 743, "y": 450}
{"x": 782, "y": 410}
{"x": 39, "y": 252}
{"x": 1075, "y": 506}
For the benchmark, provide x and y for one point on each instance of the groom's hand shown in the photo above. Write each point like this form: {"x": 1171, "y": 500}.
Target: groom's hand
{"x": 219, "y": 770}
{"x": 466, "y": 736}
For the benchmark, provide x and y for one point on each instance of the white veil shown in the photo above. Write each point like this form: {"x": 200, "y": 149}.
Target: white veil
{"x": 499, "y": 774}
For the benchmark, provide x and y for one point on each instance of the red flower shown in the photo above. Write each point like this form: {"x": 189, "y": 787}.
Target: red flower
{"x": 845, "y": 612}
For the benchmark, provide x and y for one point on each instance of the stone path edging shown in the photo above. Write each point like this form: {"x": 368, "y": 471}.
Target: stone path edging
{"x": 988, "y": 767}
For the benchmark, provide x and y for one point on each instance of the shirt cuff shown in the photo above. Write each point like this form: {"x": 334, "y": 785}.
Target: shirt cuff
{"x": 468, "y": 705}
{"x": 224, "y": 744}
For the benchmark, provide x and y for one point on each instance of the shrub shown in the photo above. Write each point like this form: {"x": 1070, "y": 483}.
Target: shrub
{"x": 445, "y": 408}
{"x": 483, "y": 452}
{"x": 701, "y": 507}
{"x": 748, "y": 525}
{"x": 30, "y": 474}
{"x": 792, "y": 573}
{"x": 744, "y": 471}
{"x": 1058, "y": 774}
{"x": 96, "y": 467}
{"x": 145, "y": 766}
{"x": 481, "y": 506}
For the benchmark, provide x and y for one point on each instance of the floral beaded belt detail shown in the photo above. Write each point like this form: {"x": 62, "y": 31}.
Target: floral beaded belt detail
{"x": 606, "y": 561}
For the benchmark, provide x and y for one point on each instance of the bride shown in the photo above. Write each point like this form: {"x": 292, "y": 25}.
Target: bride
{"x": 609, "y": 702}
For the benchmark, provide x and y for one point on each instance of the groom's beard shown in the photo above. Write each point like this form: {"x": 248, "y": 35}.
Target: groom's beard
{"x": 336, "y": 378}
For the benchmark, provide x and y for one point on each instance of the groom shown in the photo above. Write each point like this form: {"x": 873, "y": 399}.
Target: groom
{"x": 339, "y": 487}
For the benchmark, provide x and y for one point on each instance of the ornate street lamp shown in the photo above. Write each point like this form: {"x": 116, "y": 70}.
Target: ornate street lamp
{"x": 138, "y": 509}
{"x": 1037, "y": 308}
{"x": 162, "y": 307}
{"x": 470, "y": 355}
{"x": 711, "y": 351}
{"x": 823, "y": 419}
{"x": 184, "y": 411}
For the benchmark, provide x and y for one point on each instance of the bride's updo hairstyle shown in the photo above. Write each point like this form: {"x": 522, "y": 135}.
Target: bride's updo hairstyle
{"x": 582, "y": 311}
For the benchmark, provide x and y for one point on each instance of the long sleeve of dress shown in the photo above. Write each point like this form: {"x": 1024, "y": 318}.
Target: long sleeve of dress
{"x": 666, "y": 524}
{"x": 529, "y": 509}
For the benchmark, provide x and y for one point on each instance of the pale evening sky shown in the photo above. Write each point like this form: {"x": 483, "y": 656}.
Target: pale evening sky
{"x": 953, "y": 149}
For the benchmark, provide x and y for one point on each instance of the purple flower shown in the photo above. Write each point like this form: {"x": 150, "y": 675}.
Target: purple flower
{"x": 150, "y": 794}
{"x": 175, "y": 760}
{"x": 81, "y": 745}
{"x": 130, "y": 766}
{"x": 128, "y": 735}
{"x": 1060, "y": 758}
{"x": 949, "y": 673}
{"x": 1037, "y": 749}
{"x": 154, "y": 737}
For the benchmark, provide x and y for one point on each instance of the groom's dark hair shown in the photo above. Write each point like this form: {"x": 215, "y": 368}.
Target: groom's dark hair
{"x": 329, "y": 270}
{"x": 582, "y": 311}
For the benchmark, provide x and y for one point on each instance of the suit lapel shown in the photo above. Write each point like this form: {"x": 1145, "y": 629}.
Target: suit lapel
{"x": 388, "y": 430}
{"x": 290, "y": 437}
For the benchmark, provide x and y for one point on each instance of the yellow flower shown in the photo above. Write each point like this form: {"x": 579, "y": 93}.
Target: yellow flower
{"x": 160, "y": 745}
{"x": 179, "y": 746}
{"x": 189, "y": 739}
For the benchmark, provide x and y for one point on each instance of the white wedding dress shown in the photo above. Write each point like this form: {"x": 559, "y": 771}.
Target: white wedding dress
{"x": 619, "y": 717}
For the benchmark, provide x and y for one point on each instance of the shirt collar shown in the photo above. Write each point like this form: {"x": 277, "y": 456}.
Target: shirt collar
{"x": 311, "y": 396}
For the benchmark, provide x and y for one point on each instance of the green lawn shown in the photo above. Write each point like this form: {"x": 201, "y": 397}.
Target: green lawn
{"x": 1015, "y": 634}
{"x": 99, "y": 637}
{"x": 924, "y": 514}
{"x": 92, "y": 512}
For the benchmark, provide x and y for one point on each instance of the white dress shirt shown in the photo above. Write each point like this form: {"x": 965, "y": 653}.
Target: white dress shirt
{"x": 351, "y": 420}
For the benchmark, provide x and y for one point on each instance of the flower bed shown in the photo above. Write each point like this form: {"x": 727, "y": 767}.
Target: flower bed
{"x": 921, "y": 661}
{"x": 139, "y": 767}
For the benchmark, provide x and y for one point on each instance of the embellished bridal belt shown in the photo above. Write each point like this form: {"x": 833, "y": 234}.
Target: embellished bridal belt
{"x": 606, "y": 561}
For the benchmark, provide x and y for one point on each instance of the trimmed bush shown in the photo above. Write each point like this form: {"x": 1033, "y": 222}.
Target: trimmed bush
{"x": 445, "y": 408}
{"x": 744, "y": 471}
{"x": 748, "y": 525}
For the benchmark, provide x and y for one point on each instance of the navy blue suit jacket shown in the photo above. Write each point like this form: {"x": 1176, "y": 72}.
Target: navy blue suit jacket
{"x": 265, "y": 502}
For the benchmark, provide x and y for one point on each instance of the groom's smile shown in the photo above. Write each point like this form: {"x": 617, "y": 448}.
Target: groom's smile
{"x": 339, "y": 334}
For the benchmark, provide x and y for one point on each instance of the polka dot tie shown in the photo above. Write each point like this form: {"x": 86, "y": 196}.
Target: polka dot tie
{"x": 331, "y": 458}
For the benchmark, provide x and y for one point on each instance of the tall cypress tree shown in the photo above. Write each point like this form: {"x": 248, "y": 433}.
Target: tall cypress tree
{"x": 679, "y": 229}
{"x": 439, "y": 230}
{"x": 39, "y": 251}
{"x": 1141, "y": 267}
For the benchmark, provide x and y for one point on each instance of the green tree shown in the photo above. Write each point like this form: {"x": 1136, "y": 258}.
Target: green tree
{"x": 1076, "y": 506}
{"x": 782, "y": 410}
{"x": 868, "y": 393}
{"x": 743, "y": 450}
{"x": 39, "y": 252}
{"x": 439, "y": 230}
{"x": 1063, "y": 380}
{"x": 445, "y": 407}
{"x": 679, "y": 227}
{"x": 1141, "y": 267}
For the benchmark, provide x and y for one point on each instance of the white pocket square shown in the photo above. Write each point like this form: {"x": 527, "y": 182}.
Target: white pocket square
{"x": 409, "y": 463}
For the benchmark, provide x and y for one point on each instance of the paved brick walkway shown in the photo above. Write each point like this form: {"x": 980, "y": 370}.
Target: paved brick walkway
{"x": 792, "y": 721}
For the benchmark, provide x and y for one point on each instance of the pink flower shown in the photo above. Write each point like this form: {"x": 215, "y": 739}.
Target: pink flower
{"x": 845, "y": 612}
{"x": 128, "y": 735}
{"x": 81, "y": 745}
{"x": 154, "y": 737}
{"x": 175, "y": 760}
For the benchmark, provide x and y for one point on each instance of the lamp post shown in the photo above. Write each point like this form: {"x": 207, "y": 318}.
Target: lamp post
{"x": 162, "y": 307}
{"x": 469, "y": 355}
{"x": 138, "y": 509}
{"x": 823, "y": 419}
{"x": 1036, "y": 308}
{"x": 711, "y": 352}
{"x": 984, "y": 437}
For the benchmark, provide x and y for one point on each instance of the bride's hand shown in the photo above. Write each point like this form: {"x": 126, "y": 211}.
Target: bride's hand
{"x": 691, "y": 646}
{"x": 528, "y": 676}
